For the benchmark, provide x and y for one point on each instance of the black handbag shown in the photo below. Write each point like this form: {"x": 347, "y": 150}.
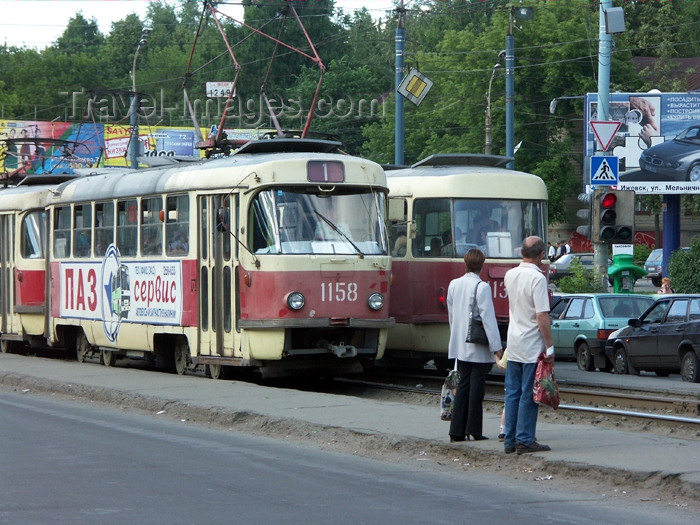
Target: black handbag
{"x": 475, "y": 332}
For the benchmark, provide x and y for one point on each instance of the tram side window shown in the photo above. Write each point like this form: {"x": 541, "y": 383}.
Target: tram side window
{"x": 397, "y": 227}
{"x": 82, "y": 230}
{"x": 127, "y": 226}
{"x": 33, "y": 235}
{"x": 177, "y": 225}
{"x": 151, "y": 226}
{"x": 104, "y": 227}
{"x": 433, "y": 228}
{"x": 223, "y": 224}
{"x": 61, "y": 232}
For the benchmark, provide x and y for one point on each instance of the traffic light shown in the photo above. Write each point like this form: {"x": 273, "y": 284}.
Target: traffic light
{"x": 613, "y": 216}
{"x": 586, "y": 214}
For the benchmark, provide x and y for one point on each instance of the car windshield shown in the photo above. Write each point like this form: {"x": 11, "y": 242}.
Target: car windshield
{"x": 691, "y": 134}
{"x": 655, "y": 256}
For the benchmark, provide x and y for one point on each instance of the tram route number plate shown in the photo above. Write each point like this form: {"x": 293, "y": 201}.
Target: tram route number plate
{"x": 219, "y": 89}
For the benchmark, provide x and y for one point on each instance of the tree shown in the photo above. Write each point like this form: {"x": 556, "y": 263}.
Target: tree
{"x": 81, "y": 35}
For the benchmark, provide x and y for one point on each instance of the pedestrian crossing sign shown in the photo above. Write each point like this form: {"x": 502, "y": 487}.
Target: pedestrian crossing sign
{"x": 604, "y": 170}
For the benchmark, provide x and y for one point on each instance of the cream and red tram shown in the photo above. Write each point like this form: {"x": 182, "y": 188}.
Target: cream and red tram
{"x": 439, "y": 209}
{"x": 275, "y": 257}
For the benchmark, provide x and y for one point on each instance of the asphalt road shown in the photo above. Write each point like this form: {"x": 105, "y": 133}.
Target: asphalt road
{"x": 64, "y": 462}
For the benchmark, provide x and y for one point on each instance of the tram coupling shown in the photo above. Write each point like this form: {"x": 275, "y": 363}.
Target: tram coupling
{"x": 341, "y": 349}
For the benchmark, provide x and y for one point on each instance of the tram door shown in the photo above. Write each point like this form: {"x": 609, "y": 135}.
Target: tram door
{"x": 216, "y": 275}
{"x": 8, "y": 323}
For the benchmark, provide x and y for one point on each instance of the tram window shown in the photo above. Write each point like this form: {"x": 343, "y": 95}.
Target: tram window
{"x": 433, "y": 228}
{"x": 227, "y": 298}
{"x": 104, "y": 227}
{"x": 151, "y": 226}
{"x": 204, "y": 299}
{"x": 61, "y": 232}
{"x": 33, "y": 235}
{"x": 177, "y": 225}
{"x": 204, "y": 229}
{"x": 127, "y": 226}
{"x": 82, "y": 230}
{"x": 223, "y": 223}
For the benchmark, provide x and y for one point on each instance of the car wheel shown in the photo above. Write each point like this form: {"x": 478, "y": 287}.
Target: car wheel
{"x": 694, "y": 172}
{"x": 622, "y": 363}
{"x": 656, "y": 281}
{"x": 689, "y": 368}
{"x": 584, "y": 359}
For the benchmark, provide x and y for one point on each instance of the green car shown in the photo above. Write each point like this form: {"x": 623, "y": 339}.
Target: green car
{"x": 582, "y": 322}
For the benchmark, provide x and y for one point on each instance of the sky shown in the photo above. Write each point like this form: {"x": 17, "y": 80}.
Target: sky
{"x": 39, "y": 23}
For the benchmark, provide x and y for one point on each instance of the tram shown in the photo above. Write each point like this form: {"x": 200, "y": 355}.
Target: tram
{"x": 439, "y": 208}
{"x": 275, "y": 257}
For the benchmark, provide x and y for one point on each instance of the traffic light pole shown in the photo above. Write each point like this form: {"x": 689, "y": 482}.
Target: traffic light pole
{"x": 601, "y": 253}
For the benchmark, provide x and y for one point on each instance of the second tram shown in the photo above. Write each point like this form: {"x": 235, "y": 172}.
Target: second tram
{"x": 439, "y": 208}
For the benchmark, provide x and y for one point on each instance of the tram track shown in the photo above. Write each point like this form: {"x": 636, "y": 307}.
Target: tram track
{"x": 585, "y": 400}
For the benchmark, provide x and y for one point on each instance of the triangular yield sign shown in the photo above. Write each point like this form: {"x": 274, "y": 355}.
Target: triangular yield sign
{"x": 604, "y": 131}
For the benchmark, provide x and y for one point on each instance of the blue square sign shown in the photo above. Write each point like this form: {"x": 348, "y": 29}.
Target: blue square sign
{"x": 604, "y": 170}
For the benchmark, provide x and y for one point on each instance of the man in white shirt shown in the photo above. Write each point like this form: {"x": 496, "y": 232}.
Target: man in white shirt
{"x": 529, "y": 335}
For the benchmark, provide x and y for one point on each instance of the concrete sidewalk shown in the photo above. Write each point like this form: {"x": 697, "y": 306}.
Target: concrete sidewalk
{"x": 652, "y": 460}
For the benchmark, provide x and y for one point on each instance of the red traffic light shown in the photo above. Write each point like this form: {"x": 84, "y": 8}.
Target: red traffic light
{"x": 608, "y": 200}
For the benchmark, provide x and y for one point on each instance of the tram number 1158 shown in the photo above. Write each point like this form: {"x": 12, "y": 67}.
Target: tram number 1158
{"x": 338, "y": 292}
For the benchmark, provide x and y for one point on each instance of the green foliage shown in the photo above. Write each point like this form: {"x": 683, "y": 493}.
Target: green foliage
{"x": 683, "y": 270}
{"x": 640, "y": 254}
{"x": 581, "y": 280}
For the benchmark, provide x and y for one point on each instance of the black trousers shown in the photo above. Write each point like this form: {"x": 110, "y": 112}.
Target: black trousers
{"x": 468, "y": 411}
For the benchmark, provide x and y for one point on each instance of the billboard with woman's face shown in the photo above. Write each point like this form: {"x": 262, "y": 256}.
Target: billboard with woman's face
{"x": 658, "y": 142}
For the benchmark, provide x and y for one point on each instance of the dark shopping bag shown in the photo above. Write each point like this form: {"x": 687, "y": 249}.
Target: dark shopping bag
{"x": 545, "y": 390}
{"x": 449, "y": 390}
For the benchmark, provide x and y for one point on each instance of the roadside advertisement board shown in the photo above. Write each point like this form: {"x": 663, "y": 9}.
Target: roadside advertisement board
{"x": 657, "y": 143}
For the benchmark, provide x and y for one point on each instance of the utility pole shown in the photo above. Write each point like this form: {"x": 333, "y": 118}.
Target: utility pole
{"x": 399, "y": 113}
{"x": 600, "y": 249}
{"x": 510, "y": 89}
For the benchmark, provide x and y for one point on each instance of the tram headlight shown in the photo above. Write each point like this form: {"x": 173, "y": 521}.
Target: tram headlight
{"x": 295, "y": 300}
{"x": 376, "y": 301}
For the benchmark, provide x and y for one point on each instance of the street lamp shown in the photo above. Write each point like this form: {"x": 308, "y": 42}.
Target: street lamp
{"x": 134, "y": 106}
{"x": 487, "y": 144}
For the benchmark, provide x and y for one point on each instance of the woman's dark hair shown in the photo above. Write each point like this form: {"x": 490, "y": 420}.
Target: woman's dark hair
{"x": 474, "y": 259}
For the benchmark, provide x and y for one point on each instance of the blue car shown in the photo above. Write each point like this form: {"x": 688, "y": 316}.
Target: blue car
{"x": 581, "y": 324}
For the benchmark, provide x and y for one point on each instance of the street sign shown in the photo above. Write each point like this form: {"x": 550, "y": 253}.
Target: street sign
{"x": 415, "y": 86}
{"x": 604, "y": 131}
{"x": 219, "y": 89}
{"x": 604, "y": 170}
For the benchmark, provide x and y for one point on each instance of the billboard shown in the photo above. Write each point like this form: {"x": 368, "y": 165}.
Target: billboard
{"x": 38, "y": 148}
{"x": 657, "y": 144}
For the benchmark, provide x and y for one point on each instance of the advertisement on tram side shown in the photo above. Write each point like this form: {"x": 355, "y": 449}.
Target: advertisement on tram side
{"x": 114, "y": 291}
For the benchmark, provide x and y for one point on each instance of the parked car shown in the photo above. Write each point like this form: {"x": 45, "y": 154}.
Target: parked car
{"x": 674, "y": 160}
{"x": 654, "y": 265}
{"x": 581, "y": 324}
{"x": 665, "y": 339}
{"x": 561, "y": 267}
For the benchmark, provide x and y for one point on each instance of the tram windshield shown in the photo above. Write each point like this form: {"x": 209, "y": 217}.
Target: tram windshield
{"x": 451, "y": 227}
{"x": 297, "y": 221}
